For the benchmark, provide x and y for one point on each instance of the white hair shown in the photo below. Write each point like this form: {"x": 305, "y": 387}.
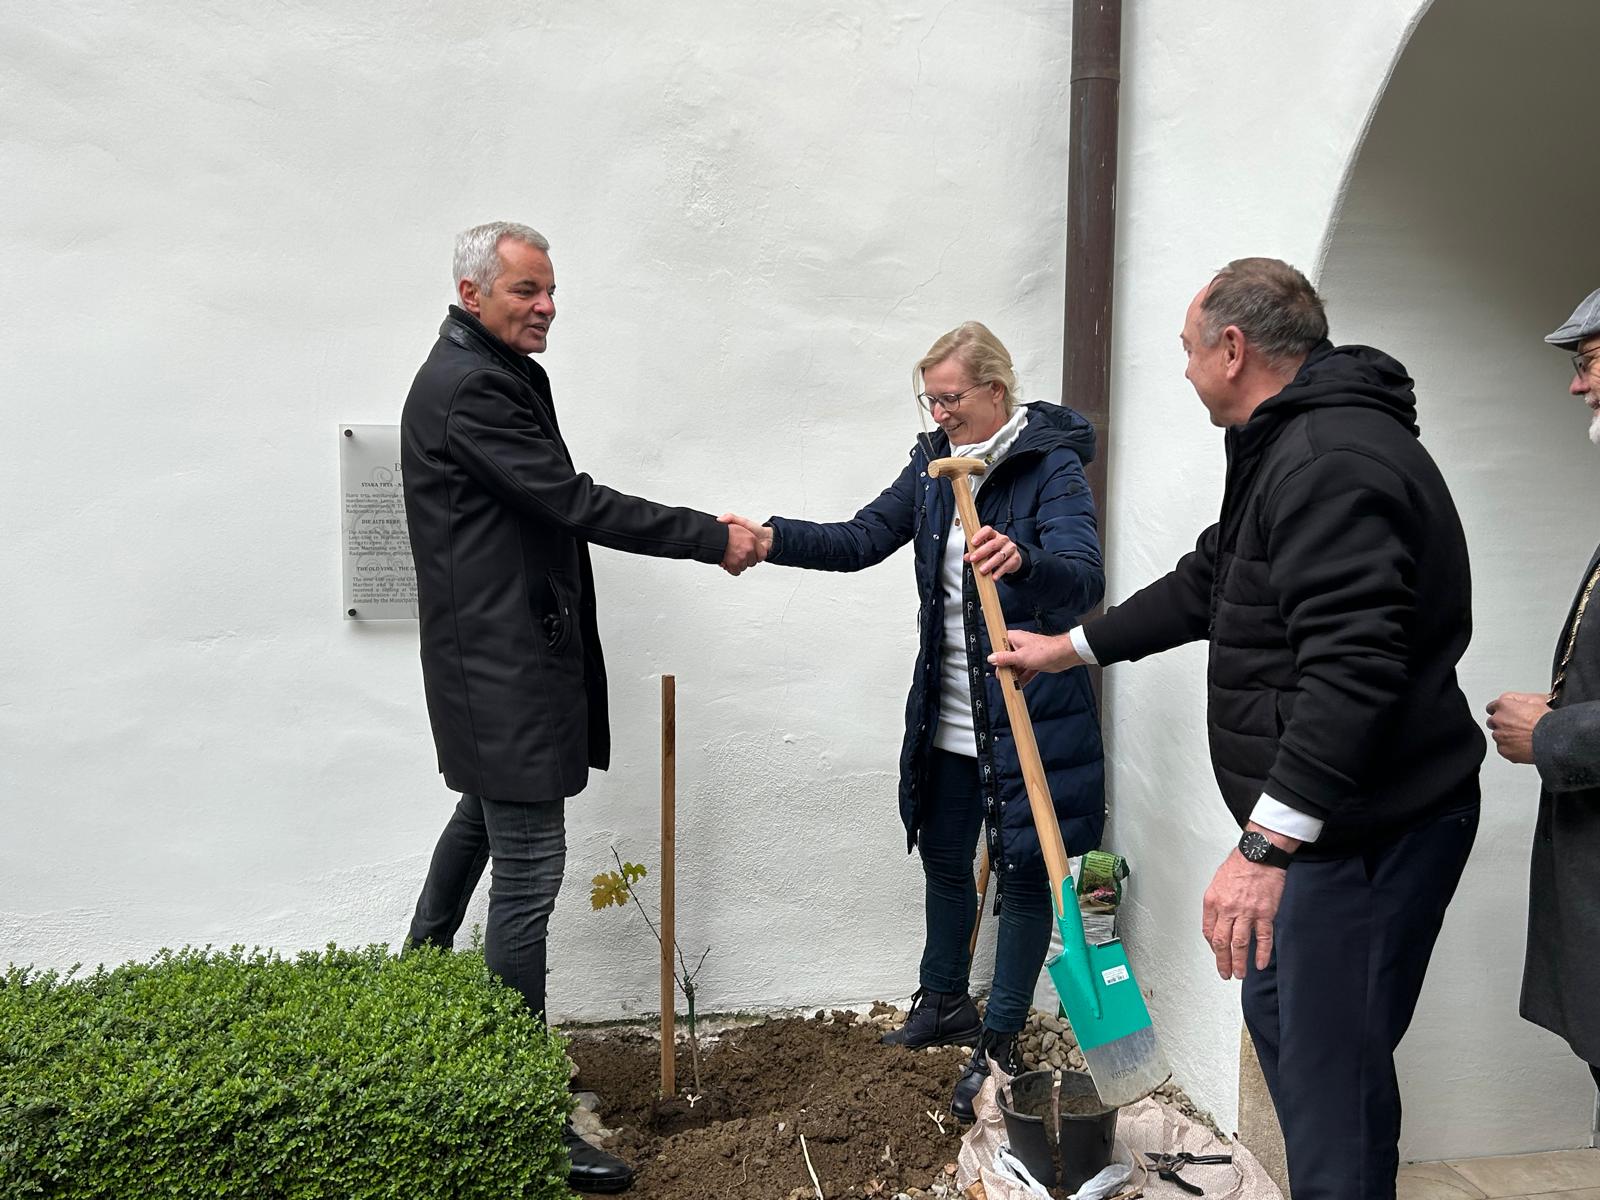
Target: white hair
{"x": 1594, "y": 429}
{"x": 478, "y": 250}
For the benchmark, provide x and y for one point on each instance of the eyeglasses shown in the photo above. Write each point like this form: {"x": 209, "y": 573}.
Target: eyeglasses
{"x": 949, "y": 401}
{"x": 1582, "y": 362}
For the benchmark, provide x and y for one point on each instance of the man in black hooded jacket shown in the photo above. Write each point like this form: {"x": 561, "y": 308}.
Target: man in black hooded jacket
{"x": 1334, "y": 592}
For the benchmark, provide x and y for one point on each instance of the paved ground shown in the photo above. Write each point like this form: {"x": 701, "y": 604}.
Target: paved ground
{"x": 1558, "y": 1175}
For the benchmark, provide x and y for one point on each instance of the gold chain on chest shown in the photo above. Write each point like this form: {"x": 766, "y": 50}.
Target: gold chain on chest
{"x": 1572, "y": 635}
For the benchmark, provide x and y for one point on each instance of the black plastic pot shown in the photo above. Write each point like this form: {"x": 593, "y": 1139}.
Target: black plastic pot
{"x": 1083, "y": 1139}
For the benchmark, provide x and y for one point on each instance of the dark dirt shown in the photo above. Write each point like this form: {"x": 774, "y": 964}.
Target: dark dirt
{"x": 862, "y": 1107}
{"x": 1084, "y": 1106}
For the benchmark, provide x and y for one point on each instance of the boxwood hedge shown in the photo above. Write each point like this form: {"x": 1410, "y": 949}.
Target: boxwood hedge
{"x": 348, "y": 1074}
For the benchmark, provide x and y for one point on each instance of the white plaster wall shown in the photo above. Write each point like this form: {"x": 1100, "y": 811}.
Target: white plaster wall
{"x": 1466, "y": 236}
{"x": 228, "y": 229}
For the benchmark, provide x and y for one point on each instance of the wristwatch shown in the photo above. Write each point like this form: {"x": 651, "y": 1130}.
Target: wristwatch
{"x": 1257, "y": 849}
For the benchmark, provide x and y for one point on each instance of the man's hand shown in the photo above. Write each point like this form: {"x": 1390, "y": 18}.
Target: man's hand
{"x": 748, "y": 543}
{"x": 1512, "y": 718}
{"x": 993, "y": 553}
{"x": 1240, "y": 904}
{"x": 1032, "y": 653}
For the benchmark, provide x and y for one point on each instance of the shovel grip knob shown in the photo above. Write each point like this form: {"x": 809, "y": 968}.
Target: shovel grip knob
{"x": 957, "y": 465}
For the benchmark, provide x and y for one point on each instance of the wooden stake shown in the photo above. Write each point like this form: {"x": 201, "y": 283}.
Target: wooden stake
{"x": 983, "y": 894}
{"x": 669, "y": 834}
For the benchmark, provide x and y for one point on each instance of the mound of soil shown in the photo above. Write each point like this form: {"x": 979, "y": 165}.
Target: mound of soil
{"x": 863, "y": 1108}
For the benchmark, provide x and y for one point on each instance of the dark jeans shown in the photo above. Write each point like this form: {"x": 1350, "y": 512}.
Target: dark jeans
{"x": 527, "y": 845}
{"x": 1352, "y": 941}
{"x": 952, "y": 818}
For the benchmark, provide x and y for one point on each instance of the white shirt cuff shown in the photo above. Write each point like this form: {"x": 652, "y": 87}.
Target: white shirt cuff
{"x": 1280, "y": 818}
{"x": 1081, "y": 645}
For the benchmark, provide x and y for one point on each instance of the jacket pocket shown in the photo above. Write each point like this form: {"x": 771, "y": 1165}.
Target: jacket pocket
{"x": 556, "y": 612}
{"x": 1282, "y": 710}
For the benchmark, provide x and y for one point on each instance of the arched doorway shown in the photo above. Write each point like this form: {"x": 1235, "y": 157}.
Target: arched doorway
{"x": 1470, "y": 228}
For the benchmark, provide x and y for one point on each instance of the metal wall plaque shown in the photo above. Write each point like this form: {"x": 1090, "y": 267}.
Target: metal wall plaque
{"x": 380, "y": 581}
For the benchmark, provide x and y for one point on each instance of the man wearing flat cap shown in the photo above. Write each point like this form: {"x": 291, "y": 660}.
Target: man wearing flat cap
{"x": 1559, "y": 733}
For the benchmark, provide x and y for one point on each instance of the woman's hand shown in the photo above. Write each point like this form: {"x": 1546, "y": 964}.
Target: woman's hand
{"x": 993, "y": 553}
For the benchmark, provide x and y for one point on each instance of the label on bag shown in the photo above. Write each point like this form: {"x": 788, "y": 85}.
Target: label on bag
{"x": 1117, "y": 974}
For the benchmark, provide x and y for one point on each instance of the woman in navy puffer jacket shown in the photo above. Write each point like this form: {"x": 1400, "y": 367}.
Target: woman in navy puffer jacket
{"x": 958, "y": 767}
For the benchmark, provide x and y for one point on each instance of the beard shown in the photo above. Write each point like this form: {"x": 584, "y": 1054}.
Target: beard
{"x": 1594, "y": 428}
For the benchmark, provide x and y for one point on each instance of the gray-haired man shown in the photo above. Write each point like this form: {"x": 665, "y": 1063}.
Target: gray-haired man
{"x": 501, "y": 523}
{"x": 1559, "y": 733}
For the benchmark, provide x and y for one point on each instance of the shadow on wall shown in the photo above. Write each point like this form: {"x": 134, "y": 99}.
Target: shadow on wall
{"x": 1468, "y": 231}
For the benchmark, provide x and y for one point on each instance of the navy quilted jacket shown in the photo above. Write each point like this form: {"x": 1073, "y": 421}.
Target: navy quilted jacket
{"x": 1037, "y": 496}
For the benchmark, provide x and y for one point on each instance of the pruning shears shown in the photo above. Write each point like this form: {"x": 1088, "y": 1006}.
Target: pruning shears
{"x": 1167, "y": 1166}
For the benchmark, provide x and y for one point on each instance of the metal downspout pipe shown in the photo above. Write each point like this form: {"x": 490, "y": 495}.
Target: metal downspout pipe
{"x": 1092, "y": 230}
{"x": 1092, "y": 224}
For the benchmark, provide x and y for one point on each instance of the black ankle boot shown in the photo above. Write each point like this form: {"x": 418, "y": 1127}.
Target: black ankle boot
{"x": 1003, "y": 1048}
{"x": 592, "y": 1169}
{"x": 937, "y": 1019}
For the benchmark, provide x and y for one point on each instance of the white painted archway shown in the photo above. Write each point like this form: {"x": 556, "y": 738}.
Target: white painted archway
{"x": 1466, "y": 233}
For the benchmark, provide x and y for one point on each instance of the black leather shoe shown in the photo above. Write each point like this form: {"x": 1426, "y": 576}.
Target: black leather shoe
{"x": 1003, "y": 1048}
{"x": 593, "y": 1170}
{"x": 937, "y": 1019}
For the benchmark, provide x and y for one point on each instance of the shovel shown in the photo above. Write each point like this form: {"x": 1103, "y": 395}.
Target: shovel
{"x": 1096, "y": 985}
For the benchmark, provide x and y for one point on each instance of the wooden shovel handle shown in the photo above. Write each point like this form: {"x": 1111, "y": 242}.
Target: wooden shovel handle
{"x": 1044, "y": 811}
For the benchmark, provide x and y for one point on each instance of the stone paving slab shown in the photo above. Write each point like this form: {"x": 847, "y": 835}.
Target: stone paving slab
{"x": 1433, "y": 1181}
{"x": 1554, "y": 1175}
{"x": 1531, "y": 1174}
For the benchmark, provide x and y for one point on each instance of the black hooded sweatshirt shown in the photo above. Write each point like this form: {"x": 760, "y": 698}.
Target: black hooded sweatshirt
{"x": 1335, "y": 593}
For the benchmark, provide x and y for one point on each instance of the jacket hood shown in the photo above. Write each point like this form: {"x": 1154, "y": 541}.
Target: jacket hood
{"x": 1049, "y": 427}
{"x": 1345, "y": 377}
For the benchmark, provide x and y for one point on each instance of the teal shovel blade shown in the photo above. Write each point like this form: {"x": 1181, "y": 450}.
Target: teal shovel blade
{"x": 1107, "y": 1013}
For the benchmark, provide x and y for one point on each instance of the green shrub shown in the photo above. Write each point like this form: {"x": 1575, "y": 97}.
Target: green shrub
{"x": 335, "y": 1076}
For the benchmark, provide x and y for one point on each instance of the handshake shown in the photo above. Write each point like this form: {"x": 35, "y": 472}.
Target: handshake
{"x": 748, "y": 543}
{"x": 992, "y": 553}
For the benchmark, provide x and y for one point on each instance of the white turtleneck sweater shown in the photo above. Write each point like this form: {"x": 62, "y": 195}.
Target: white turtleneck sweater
{"x": 955, "y": 732}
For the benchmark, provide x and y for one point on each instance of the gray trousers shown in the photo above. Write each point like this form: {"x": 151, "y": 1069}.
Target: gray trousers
{"x": 526, "y": 845}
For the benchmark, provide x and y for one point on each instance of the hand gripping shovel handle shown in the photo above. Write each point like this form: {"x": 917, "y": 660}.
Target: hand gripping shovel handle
{"x": 1112, "y": 1024}
{"x": 1044, "y": 811}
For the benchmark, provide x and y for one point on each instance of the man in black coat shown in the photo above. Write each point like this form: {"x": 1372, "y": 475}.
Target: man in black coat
{"x": 500, "y": 525}
{"x": 1559, "y": 733}
{"x": 1335, "y": 596}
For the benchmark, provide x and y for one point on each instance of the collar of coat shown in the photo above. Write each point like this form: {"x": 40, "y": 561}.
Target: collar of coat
{"x": 466, "y": 331}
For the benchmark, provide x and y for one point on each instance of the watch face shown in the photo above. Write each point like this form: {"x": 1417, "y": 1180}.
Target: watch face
{"x": 1254, "y": 846}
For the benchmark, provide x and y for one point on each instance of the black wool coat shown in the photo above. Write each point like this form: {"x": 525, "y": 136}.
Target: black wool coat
{"x": 1335, "y": 594}
{"x": 500, "y": 525}
{"x": 1561, "y": 978}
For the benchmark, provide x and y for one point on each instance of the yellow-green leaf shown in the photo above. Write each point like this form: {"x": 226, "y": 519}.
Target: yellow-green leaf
{"x": 609, "y": 889}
